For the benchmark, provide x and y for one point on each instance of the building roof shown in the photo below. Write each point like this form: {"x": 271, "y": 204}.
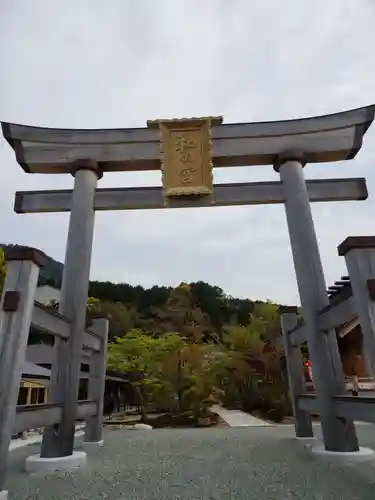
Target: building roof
{"x": 34, "y": 370}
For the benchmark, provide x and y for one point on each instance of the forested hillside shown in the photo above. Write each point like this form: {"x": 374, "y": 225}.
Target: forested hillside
{"x": 136, "y": 305}
{"x": 162, "y": 308}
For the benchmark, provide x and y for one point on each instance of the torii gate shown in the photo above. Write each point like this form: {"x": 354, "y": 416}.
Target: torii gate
{"x": 186, "y": 150}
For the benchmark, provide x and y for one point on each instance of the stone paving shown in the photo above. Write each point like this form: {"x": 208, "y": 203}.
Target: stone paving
{"x": 193, "y": 464}
{"x": 238, "y": 418}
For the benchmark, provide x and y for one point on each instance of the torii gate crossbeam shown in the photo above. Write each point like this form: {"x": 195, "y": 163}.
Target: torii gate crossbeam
{"x": 146, "y": 198}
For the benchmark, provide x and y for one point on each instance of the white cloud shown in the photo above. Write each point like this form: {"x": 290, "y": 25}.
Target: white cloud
{"x": 95, "y": 64}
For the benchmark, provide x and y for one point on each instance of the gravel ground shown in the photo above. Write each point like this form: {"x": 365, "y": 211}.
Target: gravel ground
{"x": 193, "y": 464}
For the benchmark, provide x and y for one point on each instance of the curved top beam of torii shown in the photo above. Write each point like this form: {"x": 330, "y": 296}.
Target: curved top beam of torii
{"x": 326, "y": 138}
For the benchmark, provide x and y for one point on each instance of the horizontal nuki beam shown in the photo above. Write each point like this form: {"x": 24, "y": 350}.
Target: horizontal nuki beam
{"x": 327, "y": 138}
{"x": 256, "y": 193}
{"x": 350, "y": 407}
{"x": 36, "y": 416}
{"x": 51, "y": 322}
{"x": 41, "y": 354}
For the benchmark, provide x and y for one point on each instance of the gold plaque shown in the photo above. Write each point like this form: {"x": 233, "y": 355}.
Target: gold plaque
{"x": 186, "y": 159}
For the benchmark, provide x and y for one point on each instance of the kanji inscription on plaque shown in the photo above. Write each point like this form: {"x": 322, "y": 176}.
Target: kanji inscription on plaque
{"x": 186, "y": 156}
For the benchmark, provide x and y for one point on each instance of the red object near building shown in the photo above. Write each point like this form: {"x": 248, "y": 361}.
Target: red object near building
{"x": 309, "y": 371}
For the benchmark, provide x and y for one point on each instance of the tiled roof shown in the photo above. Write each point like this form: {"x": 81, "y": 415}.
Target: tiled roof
{"x": 339, "y": 292}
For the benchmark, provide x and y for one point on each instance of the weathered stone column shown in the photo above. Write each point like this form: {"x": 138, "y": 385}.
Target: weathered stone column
{"x": 98, "y": 365}
{"x": 58, "y": 441}
{"x": 294, "y": 363}
{"x": 339, "y": 434}
{"x": 17, "y": 305}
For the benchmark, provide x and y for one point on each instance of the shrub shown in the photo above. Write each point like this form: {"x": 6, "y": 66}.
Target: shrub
{"x": 275, "y": 414}
{"x": 268, "y": 400}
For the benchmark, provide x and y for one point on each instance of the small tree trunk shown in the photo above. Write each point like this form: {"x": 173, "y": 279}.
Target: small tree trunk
{"x": 141, "y": 402}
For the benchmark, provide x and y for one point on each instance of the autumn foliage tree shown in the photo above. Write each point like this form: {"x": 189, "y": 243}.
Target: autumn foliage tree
{"x": 252, "y": 367}
{"x": 180, "y": 314}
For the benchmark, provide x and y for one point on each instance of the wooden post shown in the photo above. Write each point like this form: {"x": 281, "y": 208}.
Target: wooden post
{"x": 16, "y": 308}
{"x": 339, "y": 434}
{"x": 59, "y": 441}
{"x": 359, "y": 252}
{"x": 94, "y": 425}
{"x": 294, "y": 363}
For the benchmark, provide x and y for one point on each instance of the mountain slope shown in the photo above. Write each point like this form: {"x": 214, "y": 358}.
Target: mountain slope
{"x": 50, "y": 273}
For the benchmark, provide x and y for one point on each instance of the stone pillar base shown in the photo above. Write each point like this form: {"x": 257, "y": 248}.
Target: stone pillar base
{"x": 362, "y": 455}
{"x": 3, "y": 495}
{"x": 38, "y": 464}
{"x": 92, "y": 445}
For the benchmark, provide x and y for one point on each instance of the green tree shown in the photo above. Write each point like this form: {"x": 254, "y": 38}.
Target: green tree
{"x": 141, "y": 356}
{"x": 122, "y": 318}
{"x": 167, "y": 371}
{"x": 265, "y": 320}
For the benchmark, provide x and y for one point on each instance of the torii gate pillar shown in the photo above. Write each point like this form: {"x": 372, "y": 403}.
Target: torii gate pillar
{"x": 58, "y": 441}
{"x": 339, "y": 434}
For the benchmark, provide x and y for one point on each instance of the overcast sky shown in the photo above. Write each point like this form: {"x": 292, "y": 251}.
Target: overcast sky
{"x": 118, "y": 63}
